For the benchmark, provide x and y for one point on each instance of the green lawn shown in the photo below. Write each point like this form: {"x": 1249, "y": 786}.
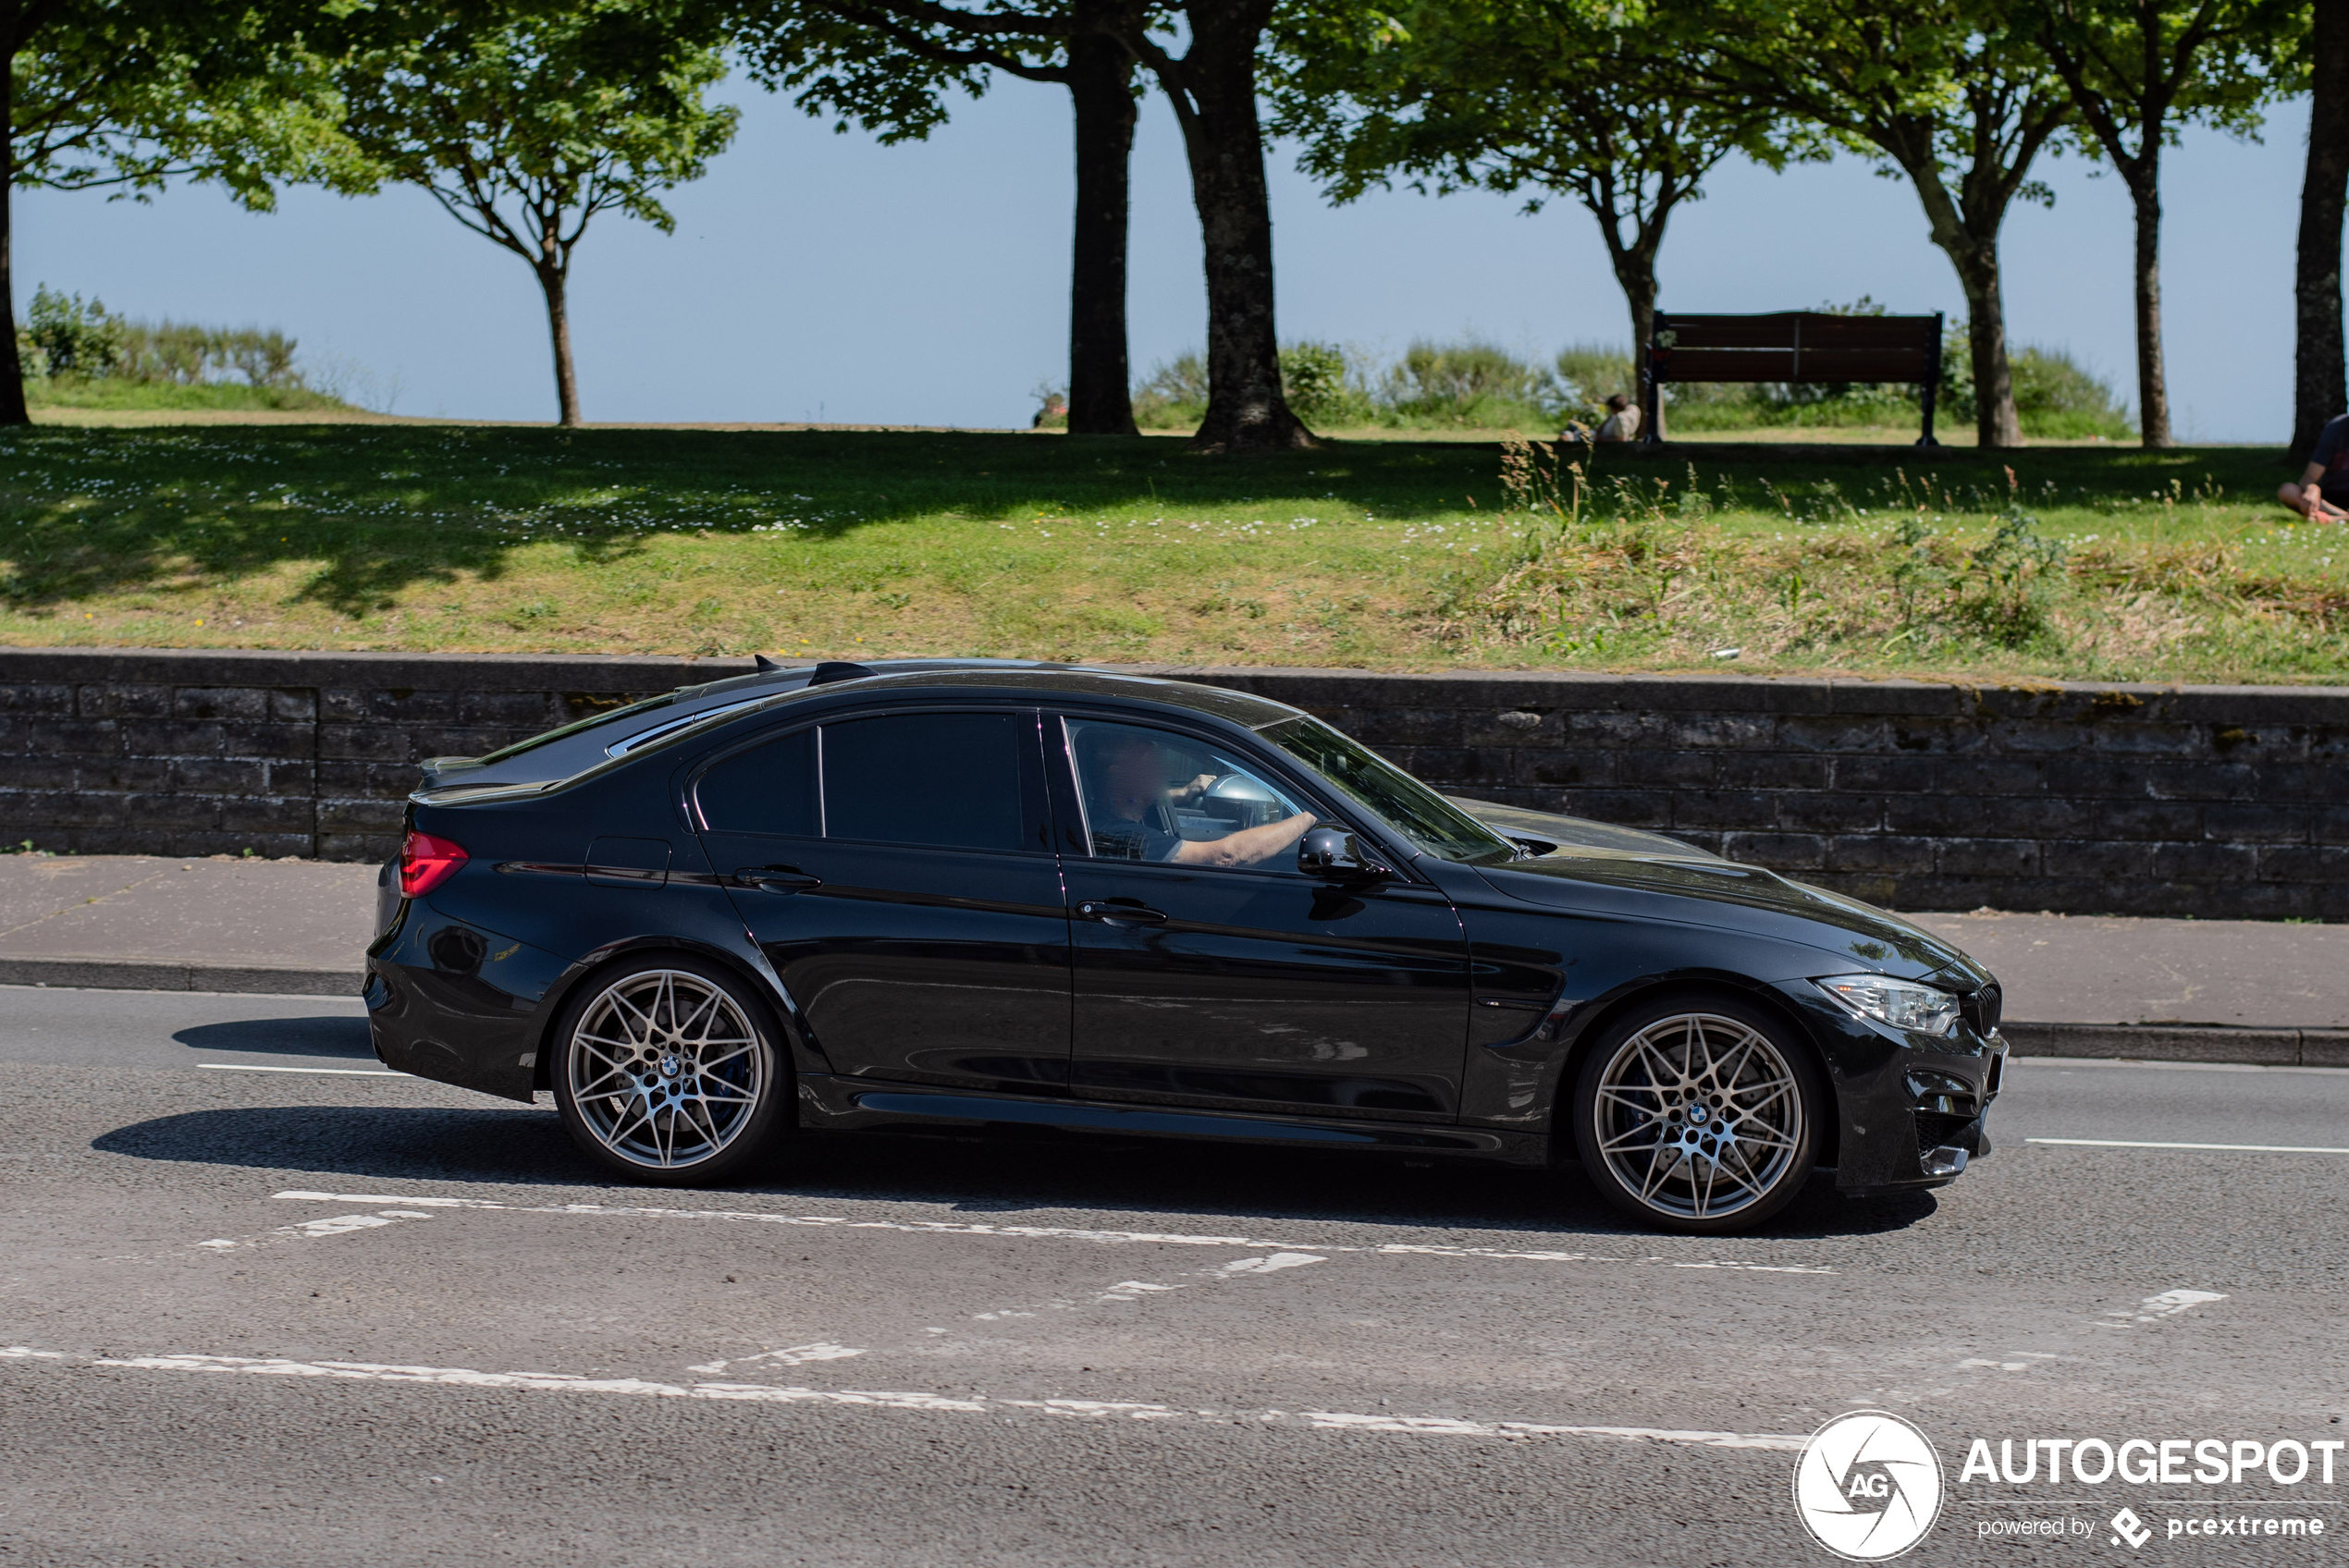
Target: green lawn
{"x": 2103, "y": 562}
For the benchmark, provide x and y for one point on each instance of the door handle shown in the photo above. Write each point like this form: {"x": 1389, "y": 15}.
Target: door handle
{"x": 1130, "y": 911}
{"x": 776, "y": 879}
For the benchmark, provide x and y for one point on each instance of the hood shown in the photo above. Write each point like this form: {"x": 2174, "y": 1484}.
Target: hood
{"x": 1544, "y": 832}
{"x": 1708, "y": 891}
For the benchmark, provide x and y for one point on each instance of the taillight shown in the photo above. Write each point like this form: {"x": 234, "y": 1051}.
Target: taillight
{"x": 427, "y": 862}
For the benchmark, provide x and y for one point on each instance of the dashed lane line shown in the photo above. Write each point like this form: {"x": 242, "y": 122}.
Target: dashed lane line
{"x": 1034, "y": 1233}
{"x": 875, "y": 1399}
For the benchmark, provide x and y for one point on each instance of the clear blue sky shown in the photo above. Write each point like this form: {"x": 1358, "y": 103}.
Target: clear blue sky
{"x": 823, "y": 277}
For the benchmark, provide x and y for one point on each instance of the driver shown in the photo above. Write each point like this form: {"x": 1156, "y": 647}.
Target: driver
{"x": 1127, "y": 775}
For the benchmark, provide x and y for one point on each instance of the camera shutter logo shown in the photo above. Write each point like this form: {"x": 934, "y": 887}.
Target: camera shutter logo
{"x": 1868, "y": 1486}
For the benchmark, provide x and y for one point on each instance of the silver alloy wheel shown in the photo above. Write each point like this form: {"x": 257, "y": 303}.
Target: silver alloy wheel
{"x": 1699, "y": 1115}
{"x": 665, "y": 1070}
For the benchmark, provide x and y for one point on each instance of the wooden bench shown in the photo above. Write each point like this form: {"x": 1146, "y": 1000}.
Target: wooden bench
{"x": 1802, "y": 347}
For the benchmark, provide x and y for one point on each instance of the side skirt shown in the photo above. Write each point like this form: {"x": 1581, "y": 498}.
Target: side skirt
{"x": 827, "y": 1103}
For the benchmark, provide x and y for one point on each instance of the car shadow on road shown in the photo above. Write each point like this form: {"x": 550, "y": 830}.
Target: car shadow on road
{"x": 990, "y": 1179}
{"x": 327, "y": 1035}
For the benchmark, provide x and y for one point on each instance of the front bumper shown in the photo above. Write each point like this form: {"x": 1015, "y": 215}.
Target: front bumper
{"x": 1911, "y": 1108}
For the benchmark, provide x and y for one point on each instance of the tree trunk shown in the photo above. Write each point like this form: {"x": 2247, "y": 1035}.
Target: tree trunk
{"x": 2318, "y": 390}
{"x": 1245, "y": 411}
{"x": 1100, "y": 77}
{"x": 12, "y": 404}
{"x": 552, "y": 281}
{"x": 1635, "y": 274}
{"x": 2153, "y": 387}
{"x": 1996, "y": 423}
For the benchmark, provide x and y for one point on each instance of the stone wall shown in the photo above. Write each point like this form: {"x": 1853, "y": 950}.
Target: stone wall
{"x": 2117, "y": 799}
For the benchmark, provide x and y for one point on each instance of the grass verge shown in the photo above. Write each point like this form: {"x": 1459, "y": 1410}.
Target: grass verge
{"x": 2095, "y": 563}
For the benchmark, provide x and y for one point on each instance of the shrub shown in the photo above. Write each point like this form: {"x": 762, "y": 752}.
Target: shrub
{"x": 74, "y": 338}
{"x": 85, "y": 341}
{"x": 1319, "y": 381}
{"x": 1474, "y": 384}
{"x": 1175, "y": 395}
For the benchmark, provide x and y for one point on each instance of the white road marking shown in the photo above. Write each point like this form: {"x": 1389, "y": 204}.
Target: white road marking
{"x": 2153, "y": 1309}
{"x": 327, "y": 1072}
{"x": 763, "y": 1393}
{"x": 1029, "y": 1233}
{"x": 334, "y": 1225}
{"x": 1266, "y": 1265}
{"x": 794, "y": 1355}
{"x": 2230, "y": 1148}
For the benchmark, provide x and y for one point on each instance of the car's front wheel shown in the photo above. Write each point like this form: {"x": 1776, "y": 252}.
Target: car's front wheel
{"x": 1700, "y": 1113}
{"x": 665, "y": 1072}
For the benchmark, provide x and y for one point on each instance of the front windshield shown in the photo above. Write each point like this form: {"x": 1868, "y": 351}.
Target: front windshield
{"x": 1432, "y": 822}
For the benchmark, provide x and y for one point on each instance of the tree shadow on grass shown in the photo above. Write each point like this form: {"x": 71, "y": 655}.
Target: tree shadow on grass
{"x": 998, "y": 1175}
{"x": 373, "y": 509}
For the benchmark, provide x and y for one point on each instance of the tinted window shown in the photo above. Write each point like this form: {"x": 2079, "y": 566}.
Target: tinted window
{"x": 769, "y": 789}
{"x": 1147, "y": 792}
{"x": 947, "y": 780}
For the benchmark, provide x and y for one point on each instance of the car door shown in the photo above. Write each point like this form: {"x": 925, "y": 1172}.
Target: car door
{"x": 1251, "y": 985}
{"x": 896, "y": 870}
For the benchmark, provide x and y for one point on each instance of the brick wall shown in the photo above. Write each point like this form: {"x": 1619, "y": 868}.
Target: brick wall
{"x": 2206, "y": 801}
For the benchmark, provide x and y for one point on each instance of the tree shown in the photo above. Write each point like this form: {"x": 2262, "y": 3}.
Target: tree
{"x": 1517, "y": 95}
{"x": 525, "y": 128}
{"x": 1954, "y": 94}
{"x": 886, "y": 68}
{"x": 2319, "y": 374}
{"x": 129, "y": 95}
{"x": 1212, "y": 86}
{"x": 2135, "y": 71}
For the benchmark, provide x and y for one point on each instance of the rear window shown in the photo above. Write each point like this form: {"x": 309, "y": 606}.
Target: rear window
{"x": 947, "y": 781}
{"x": 769, "y": 788}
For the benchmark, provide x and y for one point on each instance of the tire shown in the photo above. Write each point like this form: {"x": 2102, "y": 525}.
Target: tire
{"x": 666, "y": 1070}
{"x": 1699, "y": 1112}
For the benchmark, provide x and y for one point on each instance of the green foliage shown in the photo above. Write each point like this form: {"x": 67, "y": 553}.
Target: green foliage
{"x": 1318, "y": 381}
{"x": 73, "y": 339}
{"x": 1173, "y": 396}
{"x": 525, "y": 129}
{"x": 1472, "y": 384}
{"x": 134, "y": 92}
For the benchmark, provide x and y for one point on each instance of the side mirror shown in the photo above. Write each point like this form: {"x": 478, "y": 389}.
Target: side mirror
{"x": 1337, "y": 855}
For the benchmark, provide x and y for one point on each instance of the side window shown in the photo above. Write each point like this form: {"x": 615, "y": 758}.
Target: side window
{"x": 1153, "y": 795}
{"x": 769, "y": 788}
{"x": 950, "y": 780}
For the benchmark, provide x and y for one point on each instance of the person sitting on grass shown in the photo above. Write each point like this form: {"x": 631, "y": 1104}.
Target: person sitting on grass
{"x": 2322, "y": 494}
{"x": 1622, "y": 419}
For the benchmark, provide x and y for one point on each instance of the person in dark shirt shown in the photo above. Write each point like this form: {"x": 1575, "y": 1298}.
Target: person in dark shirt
{"x": 2322, "y": 494}
{"x": 1126, "y": 794}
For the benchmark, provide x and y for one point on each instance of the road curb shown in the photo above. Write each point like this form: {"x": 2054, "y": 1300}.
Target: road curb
{"x": 2183, "y": 1042}
{"x": 166, "y": 974}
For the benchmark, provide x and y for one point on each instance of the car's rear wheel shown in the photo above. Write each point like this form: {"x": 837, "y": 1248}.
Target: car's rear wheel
{"x": 664, "y": 1071}
{"x": 1699, "y": 1113}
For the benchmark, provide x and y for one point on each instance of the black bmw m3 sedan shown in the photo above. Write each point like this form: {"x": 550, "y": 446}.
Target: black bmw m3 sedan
{"x": 971, "y": 894}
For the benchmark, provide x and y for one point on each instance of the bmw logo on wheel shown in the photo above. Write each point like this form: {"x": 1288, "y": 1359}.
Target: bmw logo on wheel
{"x": 1868, "y": 1486}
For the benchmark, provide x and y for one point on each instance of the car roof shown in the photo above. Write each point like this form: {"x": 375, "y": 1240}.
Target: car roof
{"x": 774, "y": 690}
{"x": 1042, "y": 684}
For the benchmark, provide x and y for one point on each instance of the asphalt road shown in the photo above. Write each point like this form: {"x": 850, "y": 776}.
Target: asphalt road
{"x": 262, "y": 1303}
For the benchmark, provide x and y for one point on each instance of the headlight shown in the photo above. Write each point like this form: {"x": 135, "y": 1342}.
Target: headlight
{"x": 1903, "y": 1004}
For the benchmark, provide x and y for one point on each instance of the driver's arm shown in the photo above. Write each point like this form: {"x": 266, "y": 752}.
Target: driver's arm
{"x": 1249, "y": 846}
